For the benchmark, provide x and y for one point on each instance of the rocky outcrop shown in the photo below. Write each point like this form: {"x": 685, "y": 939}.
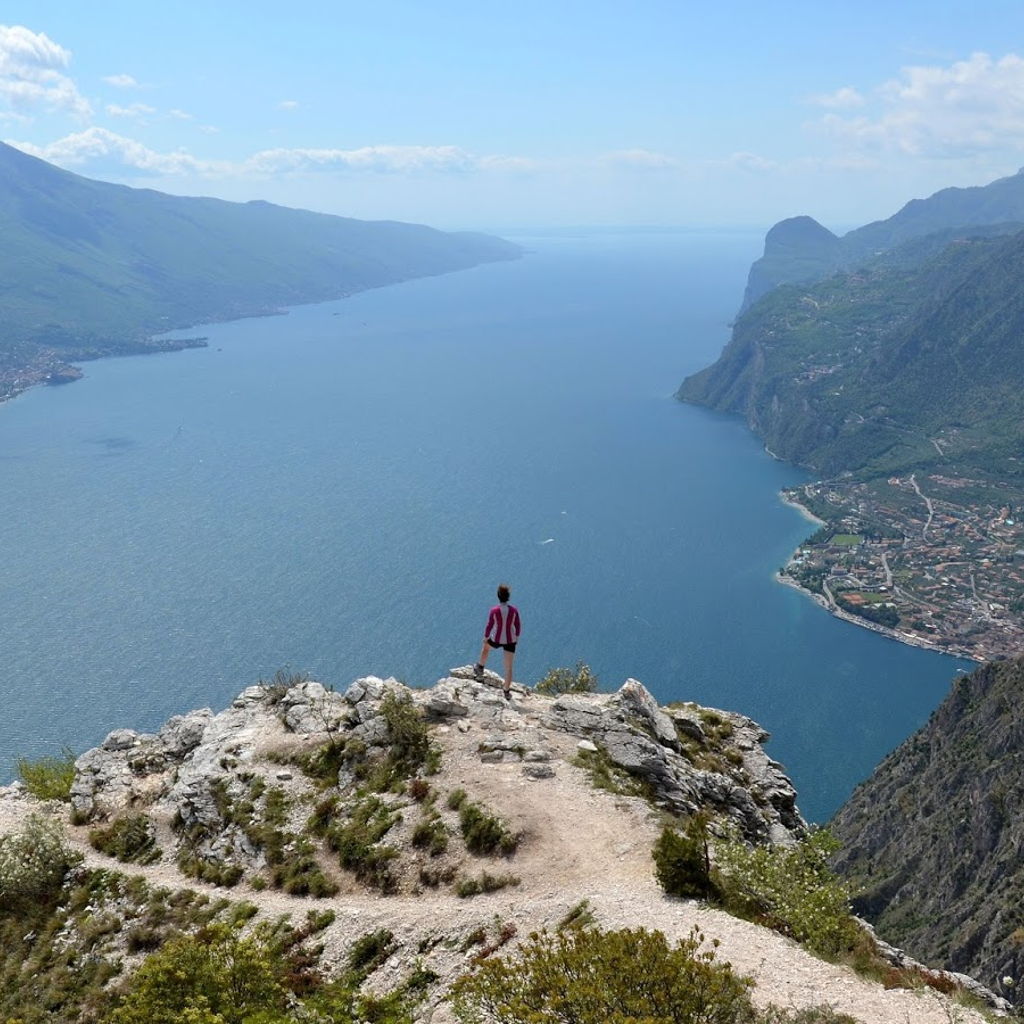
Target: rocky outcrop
{"x": 200, "y": 766}
{"x": 692, "y": 758}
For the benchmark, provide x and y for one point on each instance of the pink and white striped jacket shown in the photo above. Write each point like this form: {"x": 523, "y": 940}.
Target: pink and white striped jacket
{"x": 503, "y": 625}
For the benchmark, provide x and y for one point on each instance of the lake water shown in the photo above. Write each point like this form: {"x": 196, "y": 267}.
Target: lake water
{"x": 340, "y": 489}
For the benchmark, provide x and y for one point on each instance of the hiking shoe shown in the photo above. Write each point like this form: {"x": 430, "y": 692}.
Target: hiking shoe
{"x": 478, "y": 672}
{"x": 508, "y": 694}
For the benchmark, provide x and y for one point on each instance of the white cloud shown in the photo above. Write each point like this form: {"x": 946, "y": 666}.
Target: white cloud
{"x": 209, "y": 129}
{"x": 845, "y": 98}
{"x": 31, "y": 73}
{"x": 288, "y": 105}
{"x": 134, "y": 110}
{"x": 100, "y": 143}
{"x": 964, "y": 109}
{"x": 751, "y": 162}
{"x": 643, "y": 159}
{"x": 180, "y": 115}
{"x": 121, "y": 81}
{"x": 380, "y": 159}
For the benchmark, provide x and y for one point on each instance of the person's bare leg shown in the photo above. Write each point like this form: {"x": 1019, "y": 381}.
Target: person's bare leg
{"x": 509, "y": 655}
{"x": 484, "y": 651}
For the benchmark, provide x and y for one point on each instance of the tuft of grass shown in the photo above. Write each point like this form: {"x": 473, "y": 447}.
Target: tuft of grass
{"x": 605, "y": 774}
{"x": 456, "y": 798}
{"x": 48, "y": 778}
{"x": 281, "y": 682}
{"x": 579, "y": 916}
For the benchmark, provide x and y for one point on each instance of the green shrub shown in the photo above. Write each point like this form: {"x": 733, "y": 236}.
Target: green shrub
{"x": 568, "y": 680}
{"x": 213, "y": 979}
{"x": 407, "y": 732}
{"x": 456, "y": 798}
{"x": 356, "y": 841}
{"x": 33, "y": 863}
{"x": 683, "y": 861}
{"x": 431, "y": 834}
{"x": 367, "y": 954}
{"x": 130, "y": 838}
{"x": 484, "y": 833}
{"x": 791, "y": 889}
{"x": 48, "y": 778}
{"x": 821, "y": 1014}
{"x": 485, "y": 883}
{"x": 298, "y": 872}
{"x": 589, "y": 975}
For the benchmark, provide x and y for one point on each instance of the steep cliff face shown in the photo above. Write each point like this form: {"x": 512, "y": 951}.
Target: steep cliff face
{"x": 936, "y": 839}
{"x": 862, "y": 371}
{"x": 797, "y": 249}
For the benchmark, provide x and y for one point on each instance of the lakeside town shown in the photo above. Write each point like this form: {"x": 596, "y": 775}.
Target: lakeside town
{"x": 929, "y": 559}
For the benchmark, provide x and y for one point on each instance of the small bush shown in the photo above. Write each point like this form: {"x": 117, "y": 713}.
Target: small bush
{"x": 368, "y": 953}
{"x": 568, "y": 680}
{"x": 593, "y": 975}
{"x": 407, "y": 732}
{"x": 33, "y": 863}
{"x": 484, "y": 833}
{"x": 214, "y": 872}
{"x": 419, "y": 789}
{"x": 431, "y": 835}
{"x": 485, "y": 883}
{"x": 130, "y": 838}
{"x": 792, "y": 890}
{"x": 48, "y": 778}
{"x": 683, "y": 861}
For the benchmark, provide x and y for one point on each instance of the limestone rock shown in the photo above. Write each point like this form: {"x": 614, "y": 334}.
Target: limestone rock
{"x": 310, "y": 708}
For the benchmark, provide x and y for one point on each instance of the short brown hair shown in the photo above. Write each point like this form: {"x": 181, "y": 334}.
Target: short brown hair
{"x": 504, "y": 592}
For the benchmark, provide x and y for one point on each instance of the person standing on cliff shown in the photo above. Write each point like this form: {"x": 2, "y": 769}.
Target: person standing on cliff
{"x": 503, "y": 629}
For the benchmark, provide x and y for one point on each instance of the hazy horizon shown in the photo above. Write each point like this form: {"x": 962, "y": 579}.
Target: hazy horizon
{"x": 462, "y": 116}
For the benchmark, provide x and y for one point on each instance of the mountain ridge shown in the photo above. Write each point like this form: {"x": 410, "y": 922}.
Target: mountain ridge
{"x": 92, "y": 268}
{"x": 813, "y": 252}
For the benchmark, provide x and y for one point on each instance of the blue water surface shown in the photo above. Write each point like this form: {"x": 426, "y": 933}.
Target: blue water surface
{"x": 339, "y": 490}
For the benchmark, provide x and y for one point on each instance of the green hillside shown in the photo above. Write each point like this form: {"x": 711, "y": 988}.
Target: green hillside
{"x": 88, "y": 268}
{"x": 866, "y": 371}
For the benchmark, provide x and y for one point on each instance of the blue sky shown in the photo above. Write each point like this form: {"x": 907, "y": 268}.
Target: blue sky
{"x": 529, "y": 114}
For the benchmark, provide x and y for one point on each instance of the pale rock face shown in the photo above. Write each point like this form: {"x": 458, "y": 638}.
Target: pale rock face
{"x": 200, "y": 760}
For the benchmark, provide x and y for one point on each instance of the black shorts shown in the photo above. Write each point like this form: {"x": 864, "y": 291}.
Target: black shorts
{"x": 511, "y": 648}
